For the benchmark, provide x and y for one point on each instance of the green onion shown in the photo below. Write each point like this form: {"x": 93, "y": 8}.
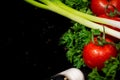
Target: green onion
{"x": 89, "y": 17}
{"x": 85, "y": 19}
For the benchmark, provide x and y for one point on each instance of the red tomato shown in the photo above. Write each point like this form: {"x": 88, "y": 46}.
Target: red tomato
{"x": 95, "y": 55}
{"x": 98, "y": 7}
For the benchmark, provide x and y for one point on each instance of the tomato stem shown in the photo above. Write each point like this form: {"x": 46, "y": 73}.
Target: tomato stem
{"x": 92, "y": 37}
{"x": 111, "y": 13}
{"x": 103, "y": 33}
{"x": 101, "y": 40}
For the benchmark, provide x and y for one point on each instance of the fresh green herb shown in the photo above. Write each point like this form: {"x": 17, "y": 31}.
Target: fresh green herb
{"x": 76, "y": 4}
{"x": 94, "y": 75}
{"x": 108, "y": 72}
{"x": 74, "y": 40}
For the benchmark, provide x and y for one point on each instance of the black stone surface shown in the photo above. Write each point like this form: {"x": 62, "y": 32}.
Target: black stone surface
{"x": 29, "y": 41}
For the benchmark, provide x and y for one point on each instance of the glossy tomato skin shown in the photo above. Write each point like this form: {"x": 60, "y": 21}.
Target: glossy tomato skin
{"x": 98, "y": 6}
{"x": 95, "y": 55}
{"x": 110, "y": 17}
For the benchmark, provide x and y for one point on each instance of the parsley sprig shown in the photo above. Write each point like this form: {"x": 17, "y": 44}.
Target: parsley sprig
{"x": 74, "y": 40}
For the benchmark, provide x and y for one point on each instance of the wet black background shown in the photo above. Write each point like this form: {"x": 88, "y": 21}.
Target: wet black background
{"x": 29, "y": 39}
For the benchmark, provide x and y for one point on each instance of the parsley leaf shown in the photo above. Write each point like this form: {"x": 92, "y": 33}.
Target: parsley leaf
{"x": 108, "y": 72}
